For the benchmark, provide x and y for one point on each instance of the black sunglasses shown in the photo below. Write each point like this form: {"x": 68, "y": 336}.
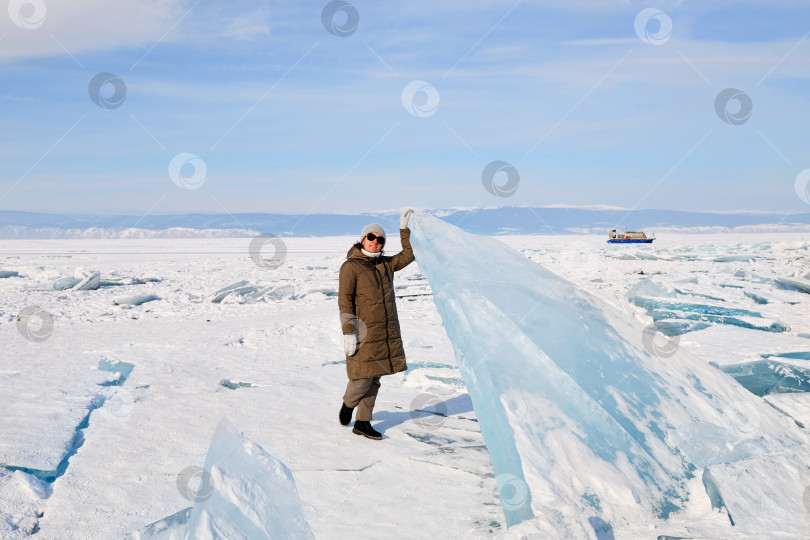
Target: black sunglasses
{"x": 371, "y": 237}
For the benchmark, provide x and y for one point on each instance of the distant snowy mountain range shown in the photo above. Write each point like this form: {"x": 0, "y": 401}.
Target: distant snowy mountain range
{"x": 489, "y": 221}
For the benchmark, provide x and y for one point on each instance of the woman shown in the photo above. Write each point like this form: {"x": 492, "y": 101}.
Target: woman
{"x": 368, "y": 315}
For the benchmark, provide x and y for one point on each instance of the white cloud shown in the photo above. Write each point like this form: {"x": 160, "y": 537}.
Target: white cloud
{"x": 678, "y": 63}
{"x": 81, "y": 26}
{"x": 600, "y": 42}
{"x": 248, "y": 27}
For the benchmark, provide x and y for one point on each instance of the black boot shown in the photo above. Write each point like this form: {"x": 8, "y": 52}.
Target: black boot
{"x": 363, "y": 427}
{"x": 346, "y": 415}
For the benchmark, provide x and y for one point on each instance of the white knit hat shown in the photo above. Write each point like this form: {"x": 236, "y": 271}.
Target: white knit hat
{"x": 373, "y": 227}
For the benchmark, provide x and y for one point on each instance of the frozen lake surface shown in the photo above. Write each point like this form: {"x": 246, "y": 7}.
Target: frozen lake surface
{"x": 101, "y": 412}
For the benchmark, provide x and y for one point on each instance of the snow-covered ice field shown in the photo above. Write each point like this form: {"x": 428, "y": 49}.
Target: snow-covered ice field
{"x": 111, "y": 406}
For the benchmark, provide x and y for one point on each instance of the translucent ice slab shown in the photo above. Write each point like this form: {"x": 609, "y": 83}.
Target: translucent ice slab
{"x": 583, "y": 423}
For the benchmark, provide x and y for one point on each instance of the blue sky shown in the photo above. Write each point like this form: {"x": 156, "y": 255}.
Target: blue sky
{"x": 287, "y": 117}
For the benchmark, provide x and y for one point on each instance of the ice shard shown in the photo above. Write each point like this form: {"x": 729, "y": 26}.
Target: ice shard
{"x": 88, "y": 280}
{"x": 245, "y": 494}
{"x": 675, "y": 316}
{"x": 583, "y": 423}
{"x": 242, "y": 292}
{"x": 249, "y": 493}
{"x": 135, "y": 299}
{"x": 791, "y": 284}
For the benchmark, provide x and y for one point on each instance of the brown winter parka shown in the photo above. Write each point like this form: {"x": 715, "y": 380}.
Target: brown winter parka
{"x": 368, "y": 307}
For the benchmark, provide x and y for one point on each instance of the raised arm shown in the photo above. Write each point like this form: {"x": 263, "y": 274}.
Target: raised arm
{"x": 404, "y": 257}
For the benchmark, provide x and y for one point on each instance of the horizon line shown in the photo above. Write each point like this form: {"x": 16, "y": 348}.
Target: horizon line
{"x": 592, "y": 208}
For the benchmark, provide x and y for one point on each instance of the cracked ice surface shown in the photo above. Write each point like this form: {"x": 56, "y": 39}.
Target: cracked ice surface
{"x": 43, "y": 404}
{"x": 290, "y": 351}
{"x": 579, "y": 419}
{"x": 423, "y": 480}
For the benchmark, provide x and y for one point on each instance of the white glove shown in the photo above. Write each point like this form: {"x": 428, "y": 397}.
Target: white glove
{"x": 403, "y": 221}
{"x": 350, "y": 344}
